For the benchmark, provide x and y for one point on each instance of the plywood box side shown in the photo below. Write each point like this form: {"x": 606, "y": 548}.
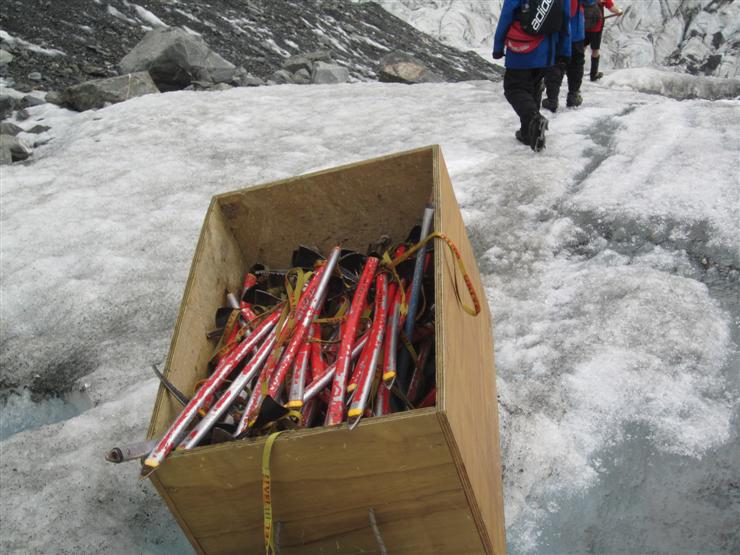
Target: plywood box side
{"x": 217, "y": 265}
{"x": 468, "y": 400}
{"x": 323, "y": 484}
{"x": 353, "y": 205}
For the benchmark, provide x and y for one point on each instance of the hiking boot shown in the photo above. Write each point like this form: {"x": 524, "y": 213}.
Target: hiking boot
{"x": 595, "y": 74}
{"x": 521, "y": 137}
{"x": 536, "y": 132}
{"x": 551, "y": 104}
{"x": 574, "y": 99}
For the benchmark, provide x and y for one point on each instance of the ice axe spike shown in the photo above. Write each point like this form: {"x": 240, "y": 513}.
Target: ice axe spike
{"x": 176, "y": 393}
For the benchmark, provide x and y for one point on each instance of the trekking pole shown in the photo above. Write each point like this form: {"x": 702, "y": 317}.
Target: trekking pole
{"x": 178, "y": 428}
{"x": 228, "y": 396}
{"x": 335, "y": 411}
{"x": 374, "y": 345}
{"x": 403, "y": 365}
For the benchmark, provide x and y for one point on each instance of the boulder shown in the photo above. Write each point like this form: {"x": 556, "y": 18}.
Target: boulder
{"x": 99, "y": 92}
{"x": 35, "y": 76}
{"x": 399, "y": 67}
{"x": 282, "y": 77}
{"x": 29, "y": 100}
{"x": 175, "y": 58}
{"x": 208, "y": 86}
{"x": 37, "y": 129}
{"x": 7, "y": 105}
{"x": 296, "y": 63}
{"x": 329, "y": 74}
{"x": 55, "y": 97}
{"x": 306, "y": 61}
{"x": 302, "y": 77}
{"x": 8, "y": 128}
{"x": 15, "y": 148}
{"x": 252, "y": 81}
{"x": 5, "y": 57}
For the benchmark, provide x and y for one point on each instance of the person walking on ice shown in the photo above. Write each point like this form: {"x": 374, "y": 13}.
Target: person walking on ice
{"x": 594, "y": 16}
{"x": 530, "y": 31}
{"x": 570, "y": 64}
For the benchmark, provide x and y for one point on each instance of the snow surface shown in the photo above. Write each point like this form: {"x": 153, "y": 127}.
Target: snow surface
{"x": 675, "y": 85}
{"x": 610, "y": 263}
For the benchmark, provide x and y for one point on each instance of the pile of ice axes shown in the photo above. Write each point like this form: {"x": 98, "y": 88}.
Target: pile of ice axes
{"x": 334, "y": 338}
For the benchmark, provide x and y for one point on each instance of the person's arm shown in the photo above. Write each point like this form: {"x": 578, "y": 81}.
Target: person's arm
{"x": 609, "y": 5}
{"x": 504, "y": 22}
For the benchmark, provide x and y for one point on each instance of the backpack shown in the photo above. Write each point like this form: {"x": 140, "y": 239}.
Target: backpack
{"x": 593, "y": 15}
{"x": 541, "y": 17}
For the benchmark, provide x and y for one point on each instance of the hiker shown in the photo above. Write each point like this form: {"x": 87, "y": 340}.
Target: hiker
{"x": 531, "y": 31}
{"x": 570, "y": 65}
{"x": 594, "y": 16}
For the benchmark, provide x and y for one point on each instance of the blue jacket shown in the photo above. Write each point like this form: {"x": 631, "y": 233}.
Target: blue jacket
{"x": 578, "y": 21}
{"x": 544, "y": 55}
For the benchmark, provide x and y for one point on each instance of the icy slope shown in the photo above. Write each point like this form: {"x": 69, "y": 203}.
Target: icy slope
{"x": 698, "y": 36}
{"x": 610, "y": 263}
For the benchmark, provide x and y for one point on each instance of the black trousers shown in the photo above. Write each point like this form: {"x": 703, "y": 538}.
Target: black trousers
{"x": 523, "y": 89}
{"x": 572, "y": 67}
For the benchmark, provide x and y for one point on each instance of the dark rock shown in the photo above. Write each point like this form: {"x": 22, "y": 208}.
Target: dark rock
{"x": 282, "y": 77}
{"x": 23, "y": 87}
{"x": 327, "y": 74}
{"x": 302, "y": 77}
{"x": 7, "y": 105}
{"x": 306, "y": 61}
{"x": 175, "y": 58}
{"x": 28, "y": 101}
{"x": 8, "y": 128}
{"x": 296, "y": 63}
{"x": 99, "y": 92}
{"x": 95, "y": 71}
{"x": 208, "y": 86}
{"x": 399, "y": 67}
{"x": 55, "y": 97}
{"x": 252, "y": 81}
{"x": 37, "y": 129}
{"x": 18, "y": 149}
{"x": 22, "y": 115}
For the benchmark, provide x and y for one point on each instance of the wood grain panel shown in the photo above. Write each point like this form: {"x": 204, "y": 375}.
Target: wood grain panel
{"x": 324, "y": 482}
{"x": 468, "y": 393}
{"x": 350, "y": 205}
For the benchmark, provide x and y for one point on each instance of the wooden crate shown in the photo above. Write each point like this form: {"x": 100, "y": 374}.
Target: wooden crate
{"x": 433, "y": 476}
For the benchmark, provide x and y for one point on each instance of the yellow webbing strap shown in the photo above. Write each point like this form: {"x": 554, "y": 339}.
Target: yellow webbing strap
{"x": 475, "y": 309}
{"x": 269, "y": 533}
